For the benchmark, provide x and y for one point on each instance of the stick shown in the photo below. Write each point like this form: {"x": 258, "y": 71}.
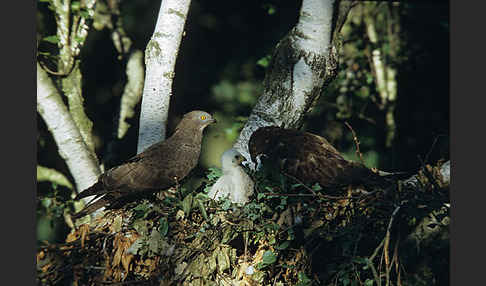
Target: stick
{"x": 356, "y": 141}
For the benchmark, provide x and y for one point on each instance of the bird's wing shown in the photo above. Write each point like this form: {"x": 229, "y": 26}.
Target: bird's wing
{"x": 221, "y": 188}
{"x": 141, "y": 172}
{"x": 242, "y": 186}
{"x": 310, "y": 158}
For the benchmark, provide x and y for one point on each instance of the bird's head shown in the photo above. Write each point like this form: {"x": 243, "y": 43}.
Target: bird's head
{"x": 259, "y": 142}
{"x": 197, "y": 118}
{"x": 232, "y": 158}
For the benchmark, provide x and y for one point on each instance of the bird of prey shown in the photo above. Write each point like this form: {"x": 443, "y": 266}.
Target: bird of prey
{"x": 159, "y": 167}
{"x": 234, "y": 183}
{"x": 307, "y": 157}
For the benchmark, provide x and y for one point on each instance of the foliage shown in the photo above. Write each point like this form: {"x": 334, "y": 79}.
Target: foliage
{"x": 281, "y": 236}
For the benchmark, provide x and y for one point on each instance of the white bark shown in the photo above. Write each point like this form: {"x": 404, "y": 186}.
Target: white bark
{"x": 132, "y": 92}
{"x": 295, "y": 77}
{"x": 385, "y": 79}
{"x": 72, "y": 148}
{"x": 160, "y": 58}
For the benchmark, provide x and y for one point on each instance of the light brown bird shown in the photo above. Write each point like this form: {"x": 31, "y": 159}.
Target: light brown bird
{"x": 308, "y": 157}
{"x": 159, "y": 167}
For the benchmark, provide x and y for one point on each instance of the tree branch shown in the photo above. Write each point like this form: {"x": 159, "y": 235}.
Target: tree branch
{"x": 132, "y": 92}
{"x": 81, "y": 162}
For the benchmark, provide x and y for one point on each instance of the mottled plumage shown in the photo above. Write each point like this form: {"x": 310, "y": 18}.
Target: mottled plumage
{"x": 306, "y": 156}
{"x": 234, "y": 182}
{"x": 159, "y": 167}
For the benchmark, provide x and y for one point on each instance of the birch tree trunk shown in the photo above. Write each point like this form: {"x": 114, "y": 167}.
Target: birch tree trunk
{"x": 160, "y": 58}
{"x": 81, "y": 162}
{"x": 303, "y": 63}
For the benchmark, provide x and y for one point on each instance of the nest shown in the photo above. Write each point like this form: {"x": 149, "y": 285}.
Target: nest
{"x": 279, "y": 238}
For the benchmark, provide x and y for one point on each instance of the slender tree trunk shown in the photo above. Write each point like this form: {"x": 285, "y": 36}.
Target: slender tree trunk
{"x": 132, "y": 92}
{"x": 160, "y": 59}
{"x": 81, "y": 162}
{"x": 303, "y": 63}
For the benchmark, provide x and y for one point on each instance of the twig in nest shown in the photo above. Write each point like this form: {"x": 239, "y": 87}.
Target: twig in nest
{"x": 356, "y": 141}
{"x": 387, "y": 243}
{"x": 384, "y": 243}
{"x": 300, "y": 182}
{"x": 290, "y": 195}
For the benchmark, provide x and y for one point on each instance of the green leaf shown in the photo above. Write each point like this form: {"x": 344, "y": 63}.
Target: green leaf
{"x": 214, "y": 173}
{"x": 295, "y": 186}
{"x": 303, "y": 280}
{"x": 187, "y": 204}
{"x": 369, "y": 282}
{"x": 269, "y": 258}
{"x": 46, "y": 202}
{"x": 264, "y": 62}
{"x": 284, "y": 245}
{"x": 163, "y": 226}
{"x": 75, "y": 5}
{"x": 51, "y": 39}
{"x": 316, "y": 187}
{"x": 260, "y": 196}
{"x": 78, "y": 39}
{"x": 369, "y": 78}
{"x": 140, "y": 211}
{"x": 85, "y": 14}
{"x": 226, "y": 204}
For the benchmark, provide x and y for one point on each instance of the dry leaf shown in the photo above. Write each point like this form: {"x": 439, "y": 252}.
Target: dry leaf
{"x": 84, "y": 229}
{"x": 126, "y": 259}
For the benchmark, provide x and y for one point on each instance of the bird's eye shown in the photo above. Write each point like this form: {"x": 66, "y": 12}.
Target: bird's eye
{"x": 203, "y": 117}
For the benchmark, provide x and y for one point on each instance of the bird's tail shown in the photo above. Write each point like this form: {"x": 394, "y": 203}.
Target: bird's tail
{"x": 90, "y": 208}
{"x": 96, "y": 189}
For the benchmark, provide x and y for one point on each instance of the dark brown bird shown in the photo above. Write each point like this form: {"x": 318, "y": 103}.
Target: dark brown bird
{"x": 159, "y": 167}
{"x": 307, "y": 157}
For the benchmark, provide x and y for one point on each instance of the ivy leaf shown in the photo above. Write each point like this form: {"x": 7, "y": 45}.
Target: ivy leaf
{"x": 269, "y": 258}
{"x": 163, "y": 226}
{"x": 283, "y": 246}
{"x": 214, "y": 173}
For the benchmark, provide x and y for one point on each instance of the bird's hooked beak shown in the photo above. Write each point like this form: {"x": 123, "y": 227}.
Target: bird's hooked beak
{"x": 240, "y": 159}
{"x": 213, "y": 120}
